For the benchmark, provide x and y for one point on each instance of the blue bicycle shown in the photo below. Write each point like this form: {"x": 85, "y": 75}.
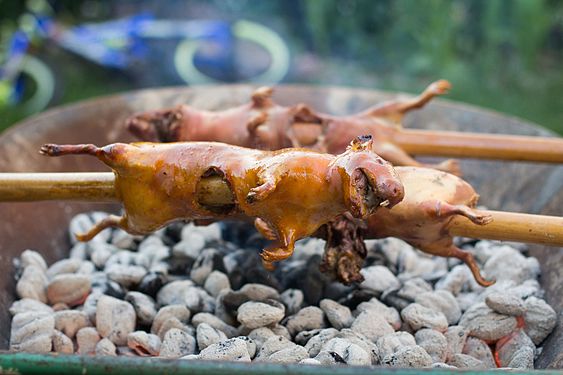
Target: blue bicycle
{"x": 201, "y": 48}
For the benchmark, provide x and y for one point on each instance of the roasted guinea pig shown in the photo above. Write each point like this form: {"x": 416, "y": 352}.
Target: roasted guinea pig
{"x": 263, "y": 124}
{"x": 432, "y": 198}
{"x": 290, "y": 192}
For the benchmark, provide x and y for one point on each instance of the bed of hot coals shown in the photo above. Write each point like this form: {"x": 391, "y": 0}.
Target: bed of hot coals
{"x": 201, "y": 293}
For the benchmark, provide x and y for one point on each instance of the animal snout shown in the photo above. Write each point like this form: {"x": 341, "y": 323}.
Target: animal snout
{"x": 392, "y": 191}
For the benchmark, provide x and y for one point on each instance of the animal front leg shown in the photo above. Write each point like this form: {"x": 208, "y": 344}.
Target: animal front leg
{"x": 444, "y": 209}
{"x": 110, "y": 221}
{"x": 280, "y": 251}
{"x": 290, "y": 134}
{"x": 268, "y": 182}
{"x": 265, "y": 229}
{"x": 306, "y": 127}
{"x": 257, "y": 119}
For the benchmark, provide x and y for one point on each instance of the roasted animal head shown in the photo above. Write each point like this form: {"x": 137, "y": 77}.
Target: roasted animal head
{"x": 157, "y": 126}
{"x": 369, "y": 181}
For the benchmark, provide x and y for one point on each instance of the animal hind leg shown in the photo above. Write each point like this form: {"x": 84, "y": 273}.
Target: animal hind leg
{"x": 109, "y": 154}
{"x": 51, "y": 149}
{"x": 110, "y": 221}
{"x": 469, "y": 259}
{"x": 396, "y": 108}
{"x": 450, "y": 250}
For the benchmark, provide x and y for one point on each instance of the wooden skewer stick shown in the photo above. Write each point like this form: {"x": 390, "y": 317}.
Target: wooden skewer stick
{"x": 511, "y": 226}
{"x": 481, "y": 146}
{"x": 89, "y": 187}
{"x": 28, "y": 187}
{"x": 457, "y": 144}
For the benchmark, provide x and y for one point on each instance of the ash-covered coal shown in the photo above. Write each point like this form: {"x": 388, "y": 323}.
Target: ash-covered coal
{"x": 201, "y": 293}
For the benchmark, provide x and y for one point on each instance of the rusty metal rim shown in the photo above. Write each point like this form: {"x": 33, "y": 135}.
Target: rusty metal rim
{"x": 25, "y": 363}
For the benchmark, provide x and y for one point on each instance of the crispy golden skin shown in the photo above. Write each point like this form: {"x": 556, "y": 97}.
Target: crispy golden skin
{"x": 291, "y": 192}
{"x": 432, "y": 197}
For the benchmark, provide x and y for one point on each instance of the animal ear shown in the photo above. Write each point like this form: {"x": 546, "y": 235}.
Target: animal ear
{"x": 361, "y": 143}
{"x": 158, "y": 126}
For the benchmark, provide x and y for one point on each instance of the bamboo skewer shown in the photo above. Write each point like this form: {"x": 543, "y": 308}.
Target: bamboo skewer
{"x": 480, "y": 146}
{"x": 28, "y": 187}
{"x": 511, "y": 226}
{"x": 459, "y": 144}
{"x": 89, "y": 187}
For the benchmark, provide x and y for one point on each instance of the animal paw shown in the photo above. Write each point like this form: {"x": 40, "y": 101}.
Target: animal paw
{"x": 261, "y": 192}
{"x": 49, "y": 149}
{"x": 252, "y": 196}
{"x": 481, "y": 219}
{"x": 268, "y": 265}
{"x": 440, "y": 87}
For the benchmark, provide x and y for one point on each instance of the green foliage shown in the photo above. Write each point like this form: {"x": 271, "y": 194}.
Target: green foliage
{"x": 501, "y": 54}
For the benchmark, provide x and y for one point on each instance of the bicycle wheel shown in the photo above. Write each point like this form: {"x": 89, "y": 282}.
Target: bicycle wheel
{"x": 264, "y": 37}
{"x": 37, "y": 71}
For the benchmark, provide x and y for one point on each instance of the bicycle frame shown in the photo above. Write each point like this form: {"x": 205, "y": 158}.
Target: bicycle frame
{"x": 118, "y": 44}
